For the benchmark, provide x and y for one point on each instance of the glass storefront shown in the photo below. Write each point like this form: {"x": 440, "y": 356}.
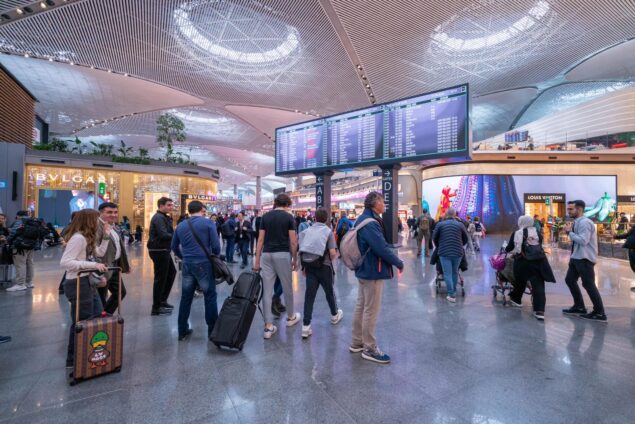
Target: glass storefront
{"x": 53, "y": 193}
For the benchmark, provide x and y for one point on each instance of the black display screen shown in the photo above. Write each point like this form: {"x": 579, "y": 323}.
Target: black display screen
{"x": 429, "y": 126}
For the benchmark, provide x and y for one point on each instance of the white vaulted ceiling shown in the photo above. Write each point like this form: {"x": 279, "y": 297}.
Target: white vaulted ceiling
{"x": 234, "y": 70}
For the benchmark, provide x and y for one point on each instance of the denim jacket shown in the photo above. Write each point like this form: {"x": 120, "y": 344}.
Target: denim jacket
{"x": 378, "y": 256}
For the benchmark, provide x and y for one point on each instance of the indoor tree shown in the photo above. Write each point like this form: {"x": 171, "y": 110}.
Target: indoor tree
{"x": 124, "y": 150}
{"x": 170, "y": 130}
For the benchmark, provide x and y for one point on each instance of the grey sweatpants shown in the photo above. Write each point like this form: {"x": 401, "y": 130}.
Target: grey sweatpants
{"x": 279, "y": 264}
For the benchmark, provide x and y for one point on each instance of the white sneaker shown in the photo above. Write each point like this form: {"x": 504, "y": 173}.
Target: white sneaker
{"x": 514, "y": 304}
{"x": 270, "y": 331}
{"x": 306, "y": 331}
{"x": 29, "y": 285}
{"x": 17, "y": 287}
{"x": 293, "y": 321}
{"x": 451, "y": 299}
{"x": 337, "y": 317}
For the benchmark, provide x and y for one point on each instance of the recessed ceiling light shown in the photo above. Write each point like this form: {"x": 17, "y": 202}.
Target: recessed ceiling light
{"x": 50, "y": 59}
{"x": 109, "y": 71}
{"x": 19, "y": 11}
{"x": 26, "y": 55}
{"x": 72, "y": 63}
{"x": 367, "y": 85}
{"x": 125, "y": 75}
{"x": 43, "y": 5}
{"x": 92, "y": 67}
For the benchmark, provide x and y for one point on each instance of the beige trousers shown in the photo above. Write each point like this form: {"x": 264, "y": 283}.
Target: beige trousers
{"x": 23, "y": 267}
{"x": 366, "y": 313}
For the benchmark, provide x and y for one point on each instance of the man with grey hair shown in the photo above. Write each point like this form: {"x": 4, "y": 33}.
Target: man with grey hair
{"x": 449, "y": 238}
{"x": 378, "y": 260}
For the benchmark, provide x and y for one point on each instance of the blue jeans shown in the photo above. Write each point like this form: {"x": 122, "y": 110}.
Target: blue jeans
{"x": 450, "y": 266}
{"x": 230, "y": 244}
{"x": 201, "y": 274}
{"x": 243, "y": 247}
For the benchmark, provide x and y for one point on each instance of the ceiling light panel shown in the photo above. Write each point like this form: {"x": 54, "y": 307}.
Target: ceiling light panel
{"x": 271, "y": 52}
{"x": 566, "y": 96}
{"x": 494, "y": 45}
{"x": 73, "y": 96}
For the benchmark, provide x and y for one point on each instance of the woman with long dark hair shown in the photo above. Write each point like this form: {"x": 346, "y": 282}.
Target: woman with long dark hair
{"x": 81, "y": 247}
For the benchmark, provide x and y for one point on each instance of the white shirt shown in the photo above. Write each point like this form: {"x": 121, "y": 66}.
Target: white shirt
{"x": 115, "y": 239}
{"x": 74, "y": 256}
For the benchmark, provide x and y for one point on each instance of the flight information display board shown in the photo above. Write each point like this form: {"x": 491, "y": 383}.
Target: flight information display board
{"x": 355, "y": 137}
{"x": 429, "y": 126}
{"x": 301, "y": 147}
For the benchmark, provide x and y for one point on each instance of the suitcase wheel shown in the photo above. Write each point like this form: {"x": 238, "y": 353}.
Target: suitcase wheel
{"x": 118, "y": 369}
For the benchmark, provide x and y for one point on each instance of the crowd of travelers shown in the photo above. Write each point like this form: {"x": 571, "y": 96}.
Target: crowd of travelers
{"x": 281, "y": 244}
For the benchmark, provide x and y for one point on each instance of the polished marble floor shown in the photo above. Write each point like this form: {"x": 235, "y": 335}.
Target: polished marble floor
{"x": 472, "y": 362}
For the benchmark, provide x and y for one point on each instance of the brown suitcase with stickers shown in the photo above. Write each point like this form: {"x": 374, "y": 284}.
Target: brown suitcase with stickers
{"x": 98, "y": 343}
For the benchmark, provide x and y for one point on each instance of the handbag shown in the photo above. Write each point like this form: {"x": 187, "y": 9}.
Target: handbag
{"x": 220, "y": 269}
{"x": 531, "y": 252}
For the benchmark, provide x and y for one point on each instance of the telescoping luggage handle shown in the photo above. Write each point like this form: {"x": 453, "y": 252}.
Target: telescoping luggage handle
{"x": 88, "y": 271}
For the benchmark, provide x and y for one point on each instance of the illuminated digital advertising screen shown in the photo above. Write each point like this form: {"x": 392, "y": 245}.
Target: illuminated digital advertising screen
{"x": 424, "y": 127}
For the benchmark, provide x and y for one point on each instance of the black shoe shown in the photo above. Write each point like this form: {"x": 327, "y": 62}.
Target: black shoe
{"x": 70, "y": 363}
{"x": 186, "y": 334}
{"x": 275, "y": 311}
{"x": 574, "y": 311}
{"x": 166, "y": 305}
{"x": 5, "y": 339}
{"x": 161, "y": 311}
{"x": 594, "y": 316}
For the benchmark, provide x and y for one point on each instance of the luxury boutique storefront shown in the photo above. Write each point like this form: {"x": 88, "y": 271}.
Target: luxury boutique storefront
{"x": 53, "y": 193}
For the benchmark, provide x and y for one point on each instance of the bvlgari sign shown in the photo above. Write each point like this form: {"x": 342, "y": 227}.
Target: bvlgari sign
{"x": 63, "y": 177}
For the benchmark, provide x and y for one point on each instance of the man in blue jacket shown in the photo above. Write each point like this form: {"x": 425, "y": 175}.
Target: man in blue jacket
{"x": 197, "y": 268}
{"x": 376, "y": 267}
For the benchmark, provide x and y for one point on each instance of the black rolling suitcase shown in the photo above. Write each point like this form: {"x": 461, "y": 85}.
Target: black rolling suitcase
{"x": 237, "y": 314}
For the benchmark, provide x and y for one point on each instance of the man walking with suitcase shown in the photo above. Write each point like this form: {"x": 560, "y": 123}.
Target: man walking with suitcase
{"x": 584, "y": 252}
{"x": 115, "y": 256}
{"x": 159, "y": 241}
{"x": 194, "y": 240}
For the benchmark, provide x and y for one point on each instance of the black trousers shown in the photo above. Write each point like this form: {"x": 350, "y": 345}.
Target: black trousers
{"x": 315, "y": 278}
{"x": 111, "y": 303}
{"x": 89, "y": 307}
{"x": 164, "y": 274}
{"x": 583, "y": 269}
{"x": 537, "y": 291}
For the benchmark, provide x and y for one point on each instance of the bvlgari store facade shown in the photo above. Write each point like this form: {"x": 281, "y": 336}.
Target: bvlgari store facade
{"x": 55, "y": 190}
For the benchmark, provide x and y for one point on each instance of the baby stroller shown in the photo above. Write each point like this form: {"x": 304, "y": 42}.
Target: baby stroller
{"x": 439, "y": 281}
{"x": 503, "y": 264}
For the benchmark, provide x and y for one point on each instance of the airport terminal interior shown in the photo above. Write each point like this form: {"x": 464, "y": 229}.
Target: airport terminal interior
{"x": 317, "y": 211}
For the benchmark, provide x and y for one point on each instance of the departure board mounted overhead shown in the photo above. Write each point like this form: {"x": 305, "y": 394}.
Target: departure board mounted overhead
{"x": 422, "y": 128}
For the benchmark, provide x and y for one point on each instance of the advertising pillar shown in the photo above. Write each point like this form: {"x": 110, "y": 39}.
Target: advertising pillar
{"x": 323, "y": 190}
{"x": 389, "y": 185}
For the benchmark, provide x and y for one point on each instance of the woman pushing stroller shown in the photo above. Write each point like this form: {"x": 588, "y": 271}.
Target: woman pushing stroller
{"x": 530, "y": 264}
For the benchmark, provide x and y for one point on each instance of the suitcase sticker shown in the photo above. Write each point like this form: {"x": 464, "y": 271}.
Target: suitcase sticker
{"x": 100, "y": 355}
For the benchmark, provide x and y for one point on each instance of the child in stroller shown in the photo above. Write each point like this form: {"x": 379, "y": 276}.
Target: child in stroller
{"x": 503, "y": 264}
{"x": 439, "y": 280}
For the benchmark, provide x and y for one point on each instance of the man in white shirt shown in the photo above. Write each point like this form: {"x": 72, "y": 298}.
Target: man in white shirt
{"x": 115, "y": 256}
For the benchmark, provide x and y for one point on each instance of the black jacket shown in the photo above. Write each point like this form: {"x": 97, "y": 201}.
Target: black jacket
{"x": 161, "y": 231}
{"x": 524, "y": 269}
{"x": 630, "y": 238}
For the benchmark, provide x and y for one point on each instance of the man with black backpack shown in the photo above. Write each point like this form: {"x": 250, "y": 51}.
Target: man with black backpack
{"x": 424, "y": 226}
{"x": 228, "y": 231}
{"x": 25, "y": 236}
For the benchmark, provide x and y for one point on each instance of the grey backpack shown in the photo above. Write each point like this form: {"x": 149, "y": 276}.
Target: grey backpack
{"x": 349, "y": 249}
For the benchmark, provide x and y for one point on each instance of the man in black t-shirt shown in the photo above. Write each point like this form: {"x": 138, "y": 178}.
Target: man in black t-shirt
{"x": 276, "y": 253}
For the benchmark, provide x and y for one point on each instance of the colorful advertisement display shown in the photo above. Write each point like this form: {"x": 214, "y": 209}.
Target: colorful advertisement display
{"x": 500, "y": 199}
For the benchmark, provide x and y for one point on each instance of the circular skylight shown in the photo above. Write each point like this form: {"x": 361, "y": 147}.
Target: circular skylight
{"x": 490, "y": 28}
{"x": 236, "y": 39}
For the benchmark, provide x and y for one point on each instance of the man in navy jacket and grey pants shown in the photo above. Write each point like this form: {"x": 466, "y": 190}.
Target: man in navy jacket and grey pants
{"x": 376, "y": 267}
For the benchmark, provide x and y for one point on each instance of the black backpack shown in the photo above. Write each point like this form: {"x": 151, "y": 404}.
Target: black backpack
{"x": 29, "y": 235}
{"x": 313, "y": 261}
{"x": 477, "y": 227}
{"x": 227, "y": 230}
{"x": 531, "y": 251}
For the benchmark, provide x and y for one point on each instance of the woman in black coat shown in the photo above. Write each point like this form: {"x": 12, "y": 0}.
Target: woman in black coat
{"x": 535, "y": 271}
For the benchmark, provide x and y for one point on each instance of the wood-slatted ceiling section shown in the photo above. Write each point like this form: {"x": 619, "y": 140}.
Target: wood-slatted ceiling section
{"x": 17, "y": 112}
